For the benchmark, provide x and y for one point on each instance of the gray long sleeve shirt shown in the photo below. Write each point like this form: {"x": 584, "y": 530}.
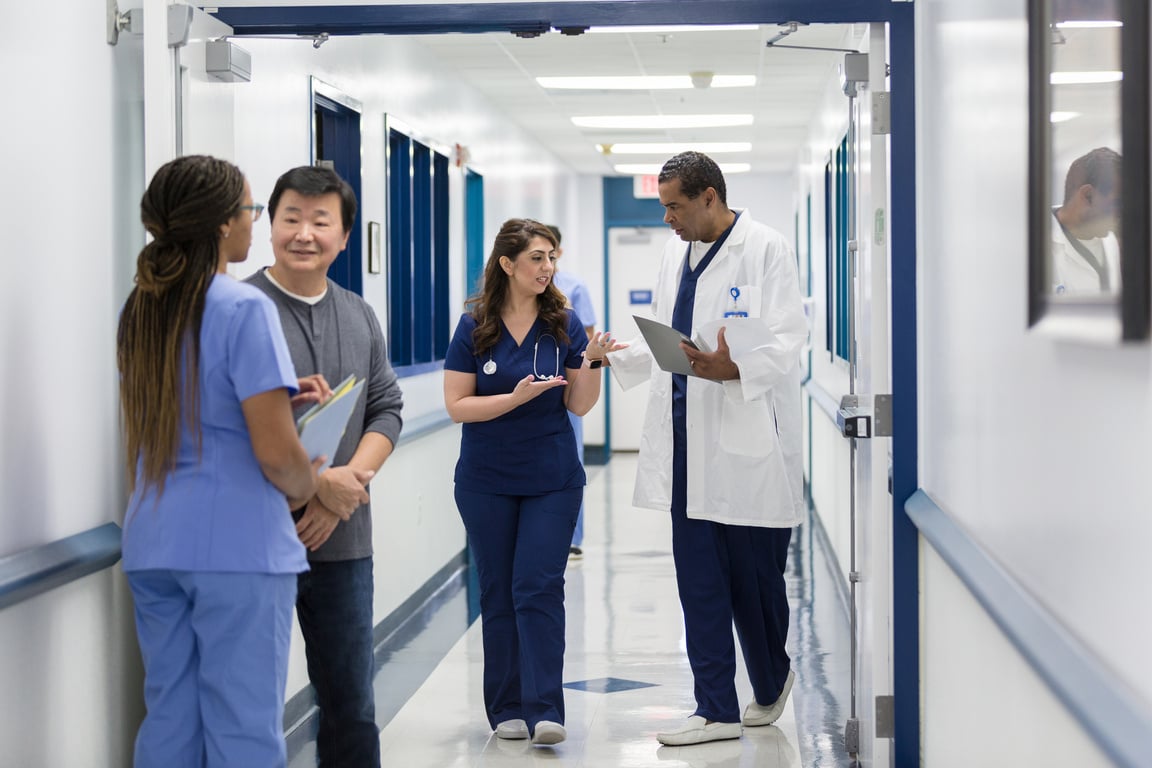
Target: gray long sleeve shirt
{"x": 338, "y": 336}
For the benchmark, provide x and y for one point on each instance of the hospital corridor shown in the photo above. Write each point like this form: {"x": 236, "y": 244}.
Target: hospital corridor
{"x": 626, "y": 675}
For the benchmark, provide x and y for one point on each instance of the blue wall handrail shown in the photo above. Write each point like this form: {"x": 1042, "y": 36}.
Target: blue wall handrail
{"x": 37, "y": 570}
{"x": 1117, "y": 720}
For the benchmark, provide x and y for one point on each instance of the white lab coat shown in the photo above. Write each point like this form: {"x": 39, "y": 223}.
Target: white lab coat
{"x": 1072, "y": 275}
{"x": 744, "y": 436}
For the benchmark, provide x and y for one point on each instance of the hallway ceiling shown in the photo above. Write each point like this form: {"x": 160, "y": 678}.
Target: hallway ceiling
{"x": 789, "y": 86}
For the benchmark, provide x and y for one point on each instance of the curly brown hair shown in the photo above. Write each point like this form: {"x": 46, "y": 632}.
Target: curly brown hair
{"x": 485, "y": 307}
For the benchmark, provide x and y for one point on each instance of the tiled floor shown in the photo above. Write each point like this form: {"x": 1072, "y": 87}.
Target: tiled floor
{"x": 626, "y": 673}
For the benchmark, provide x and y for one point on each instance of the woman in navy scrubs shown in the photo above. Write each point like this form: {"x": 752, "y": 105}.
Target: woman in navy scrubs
{"x": 518, "y": 362}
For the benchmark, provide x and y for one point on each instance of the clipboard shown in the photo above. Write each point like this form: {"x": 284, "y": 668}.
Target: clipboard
{"x": 664, "y": 343}
{"x": 322, "y": 426}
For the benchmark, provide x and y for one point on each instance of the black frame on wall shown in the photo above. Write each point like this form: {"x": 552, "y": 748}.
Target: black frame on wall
{"x": 1094, "y": 317}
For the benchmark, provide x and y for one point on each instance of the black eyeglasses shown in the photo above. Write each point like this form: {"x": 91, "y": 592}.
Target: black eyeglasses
{"x": 256, "y": 208}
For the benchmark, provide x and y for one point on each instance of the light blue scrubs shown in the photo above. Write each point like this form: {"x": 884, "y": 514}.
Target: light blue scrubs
{"x": 577, "y": 293}
{"x": 519, "y": 485}
{"x": 212, "y": 561}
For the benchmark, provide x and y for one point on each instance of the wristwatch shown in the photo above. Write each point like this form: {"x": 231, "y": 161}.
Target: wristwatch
{"x": 594, "y": 364}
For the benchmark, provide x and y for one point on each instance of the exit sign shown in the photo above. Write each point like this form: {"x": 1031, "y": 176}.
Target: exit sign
{"x": 645, "y": 186}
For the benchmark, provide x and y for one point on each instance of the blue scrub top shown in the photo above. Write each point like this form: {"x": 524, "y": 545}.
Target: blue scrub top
{"x": 218, "y": 512}
{"x": 531, "y": 450}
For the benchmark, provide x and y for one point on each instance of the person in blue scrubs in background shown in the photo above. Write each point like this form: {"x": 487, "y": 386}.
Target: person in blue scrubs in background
{"x": 209, "y": 548}
{"x": 518, "y": 362}
{"x": 580, "y": 298}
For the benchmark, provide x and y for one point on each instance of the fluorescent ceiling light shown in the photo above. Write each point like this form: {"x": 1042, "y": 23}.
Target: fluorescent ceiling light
{"x": 1088, "y": 24}
{"x": 666, "y": 29}
{"x": 662, "y": 121}
{"x": 1085, "y": 78}
{"x": 643, "y": 82}
{"x": 1063, "y": 117}
{"x": 707, "y": 147}
{"x": 652, "y": 169}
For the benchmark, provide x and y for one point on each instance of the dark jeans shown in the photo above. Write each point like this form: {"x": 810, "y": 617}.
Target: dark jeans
{"x": 334, "y": 604}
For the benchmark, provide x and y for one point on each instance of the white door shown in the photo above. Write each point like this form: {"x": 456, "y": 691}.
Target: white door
{"x": 633, "y": 264}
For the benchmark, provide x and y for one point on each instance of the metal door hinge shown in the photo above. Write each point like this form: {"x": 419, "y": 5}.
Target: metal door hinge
{"x": 881, "y": 113}
{"x": 865, "y": 416}
{"x": 885, "y": 717}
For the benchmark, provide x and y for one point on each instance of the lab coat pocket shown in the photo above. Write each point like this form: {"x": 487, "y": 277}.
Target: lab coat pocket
{"x": 747, "y": 428}
{"x": 746, "y": 301}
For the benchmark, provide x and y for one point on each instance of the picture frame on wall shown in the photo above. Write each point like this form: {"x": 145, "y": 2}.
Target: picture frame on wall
{"x": 375, "y": 244}
{"x": 1088, "y": 201}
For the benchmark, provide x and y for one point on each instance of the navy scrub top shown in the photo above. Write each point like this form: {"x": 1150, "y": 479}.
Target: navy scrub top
{"x": 531, "y": 450}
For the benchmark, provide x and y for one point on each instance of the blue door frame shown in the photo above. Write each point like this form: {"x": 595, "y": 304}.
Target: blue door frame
{"x": 578, "y": 14}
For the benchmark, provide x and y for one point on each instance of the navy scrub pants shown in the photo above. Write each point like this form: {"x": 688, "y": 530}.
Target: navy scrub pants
{"x": 732, "y": 574}
{"x": 520, "y": 547}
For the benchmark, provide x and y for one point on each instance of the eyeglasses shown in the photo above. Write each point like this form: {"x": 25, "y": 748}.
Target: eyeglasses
{"x": 256, "y": 208}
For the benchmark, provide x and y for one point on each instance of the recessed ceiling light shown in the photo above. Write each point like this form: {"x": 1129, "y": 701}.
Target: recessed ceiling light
{"x": 643, "y": 82}
{"x": 661, "y": 121}
{"x": 1085, "y": 78}
{"x": 1088, "y": 24}
{"x": 707, "y": 147}
{"x": 652, "y": 169}
{"x": 666, "y": 29}
{"x": 1063, "y": 117}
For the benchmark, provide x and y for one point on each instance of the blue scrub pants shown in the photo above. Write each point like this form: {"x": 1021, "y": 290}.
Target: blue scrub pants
{"x": 520, "y": 547}
{"x": 215, "y": 649}
{"x": 732, "y": 574}
{"x": 577, "y": 423}
{"x": 335, "y": 611}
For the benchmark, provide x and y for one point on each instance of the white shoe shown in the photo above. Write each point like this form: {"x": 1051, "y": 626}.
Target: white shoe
{"x": 512, "y": 729}
{"x": 548, "y": 733}
{"x": 697, "y": 731}
{"x": 756, "y": 715}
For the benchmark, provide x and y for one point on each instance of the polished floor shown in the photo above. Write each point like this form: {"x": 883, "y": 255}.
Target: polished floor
{"x": 626, "y": 674}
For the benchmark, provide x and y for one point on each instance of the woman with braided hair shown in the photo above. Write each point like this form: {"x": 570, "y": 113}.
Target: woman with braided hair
{"x": 214, "y": 465}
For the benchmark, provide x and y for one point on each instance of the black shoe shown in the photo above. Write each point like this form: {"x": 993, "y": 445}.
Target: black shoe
{"x": 575, "y": 552}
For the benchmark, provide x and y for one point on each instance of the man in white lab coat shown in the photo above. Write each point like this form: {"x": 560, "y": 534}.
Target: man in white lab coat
{"x": 721, "y": 450}
{"x": 1085, "y": 252}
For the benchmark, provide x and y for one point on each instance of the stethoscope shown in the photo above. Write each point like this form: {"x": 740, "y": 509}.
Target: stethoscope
{"x": 490, "y": 366}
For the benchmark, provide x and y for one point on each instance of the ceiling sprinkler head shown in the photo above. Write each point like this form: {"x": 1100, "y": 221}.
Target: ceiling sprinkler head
{"x": 701, "y": 79}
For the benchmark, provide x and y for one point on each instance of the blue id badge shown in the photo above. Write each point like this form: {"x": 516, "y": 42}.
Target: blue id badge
{"x": 736, "y": 310}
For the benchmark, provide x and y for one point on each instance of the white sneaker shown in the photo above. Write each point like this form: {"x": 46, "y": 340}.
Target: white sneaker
{"x": 756, "y": 715}
{"x": 697, "y": 731}
{"x": 548, "y": 733}
{"x": 512, "y": 729}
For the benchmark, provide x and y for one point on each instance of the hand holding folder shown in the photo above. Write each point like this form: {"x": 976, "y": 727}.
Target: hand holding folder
{"x": 322, "y": 426}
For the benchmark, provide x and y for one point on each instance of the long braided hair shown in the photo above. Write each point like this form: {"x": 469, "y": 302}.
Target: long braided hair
{"x": 158, "y": 339}
{"x": 486, "y": 306}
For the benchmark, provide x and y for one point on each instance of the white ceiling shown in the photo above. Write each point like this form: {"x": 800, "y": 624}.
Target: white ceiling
{"x": 789, "y": 85}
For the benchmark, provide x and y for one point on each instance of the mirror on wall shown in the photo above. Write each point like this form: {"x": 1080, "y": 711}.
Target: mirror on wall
{"x": 1088, "y": 199}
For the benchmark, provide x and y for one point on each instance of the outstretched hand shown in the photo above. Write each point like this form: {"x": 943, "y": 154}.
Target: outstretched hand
{"x": 529, "y": 387}
{"x": 717, "y": 365}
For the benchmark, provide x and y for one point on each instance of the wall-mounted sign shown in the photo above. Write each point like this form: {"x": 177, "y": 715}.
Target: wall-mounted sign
{"x": 645, "y": 187}
{"x": 640, "y": 297}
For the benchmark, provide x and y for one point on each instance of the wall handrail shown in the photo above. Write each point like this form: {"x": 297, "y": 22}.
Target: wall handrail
{"x": 820, "y": 396}
{"x": 1115, "y": 718}
{"x": 31, "y": 572}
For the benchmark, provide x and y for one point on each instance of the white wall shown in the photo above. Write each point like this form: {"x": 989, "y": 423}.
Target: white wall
{"x": 74, "y": 173}
{"x": 1038, "y": 447}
